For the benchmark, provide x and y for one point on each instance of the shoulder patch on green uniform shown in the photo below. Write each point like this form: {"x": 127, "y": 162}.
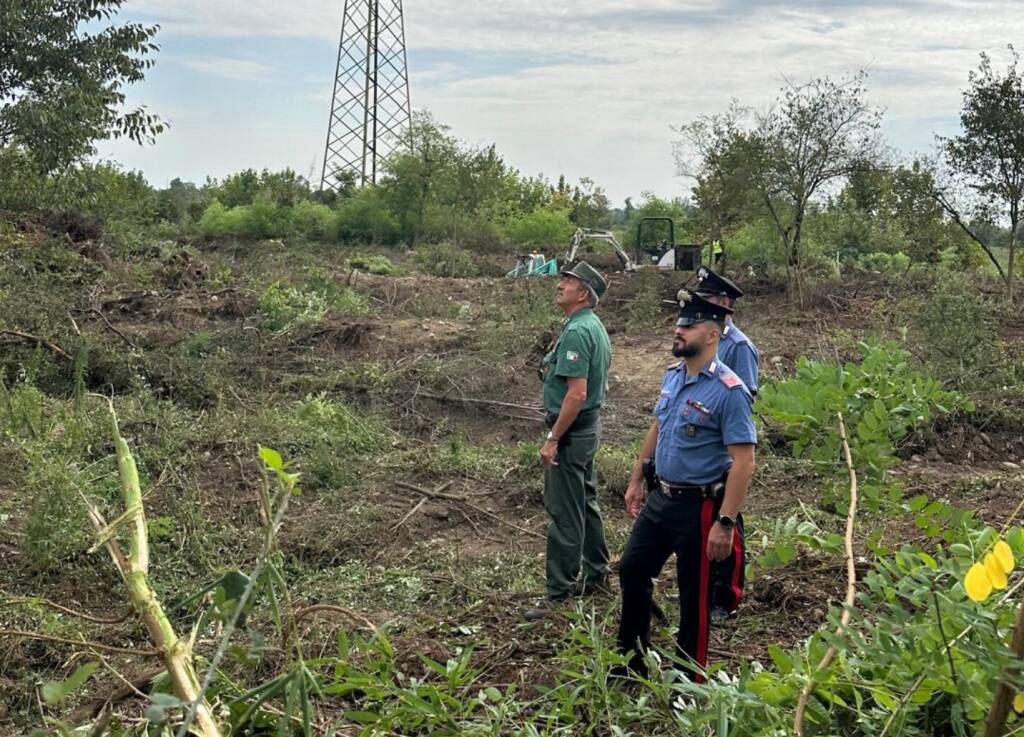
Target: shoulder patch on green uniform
{"x": 731, "y": 380}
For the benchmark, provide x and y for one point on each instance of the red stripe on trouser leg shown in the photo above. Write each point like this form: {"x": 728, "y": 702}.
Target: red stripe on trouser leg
{"x": 737, "y": 549}
{"x": 705, "y": 570}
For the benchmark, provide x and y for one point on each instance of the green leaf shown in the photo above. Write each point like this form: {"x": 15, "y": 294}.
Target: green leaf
{"x": 363, "y": 717}
{"x": 234, "y": 583}
{"x": 55, "y": 692}
{"x": 272, "y": 459}
{"x": 160, "y": 704}
{"x": 783, "y": 660}
{"x": 885, "y": 699}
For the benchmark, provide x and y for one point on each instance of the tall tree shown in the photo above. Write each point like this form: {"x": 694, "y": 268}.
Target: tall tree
{"x": 62, "y": 86}
{"x": 815, "y": 135}
{"x": 989, "y": 152}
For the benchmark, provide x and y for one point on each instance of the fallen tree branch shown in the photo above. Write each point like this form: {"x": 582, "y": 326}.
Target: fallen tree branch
{"x": 65, "y": 610}
{"x": 90, "y": 709}
{"x": 53, "y": 347}
{"x": 437, "y": 493}
{"x": 141, "y": 651}
{"x": 851, "y": 588}
{"x": 503, "y": 521}
{"x": 111, "y": 327}
{"x": 333, "y": 609}
{"x": 474, "y": 400}
{"x": 411, "y": 512}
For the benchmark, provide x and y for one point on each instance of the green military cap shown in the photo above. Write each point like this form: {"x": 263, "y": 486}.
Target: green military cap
{"x": 589, "y": 276}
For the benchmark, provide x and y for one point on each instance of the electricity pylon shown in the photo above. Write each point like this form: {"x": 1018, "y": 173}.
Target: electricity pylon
{"x": 370, "y": 111}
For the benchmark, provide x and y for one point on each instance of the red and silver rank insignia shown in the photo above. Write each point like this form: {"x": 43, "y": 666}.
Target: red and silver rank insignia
{"x": 730, "y": 380}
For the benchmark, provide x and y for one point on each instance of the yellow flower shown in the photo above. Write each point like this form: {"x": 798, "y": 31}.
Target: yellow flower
{"x": 977, "y": 583}
{"x": 1004, "y": 555}
{"x": 1018, "y": 703}
{"x": 995, "y": 571}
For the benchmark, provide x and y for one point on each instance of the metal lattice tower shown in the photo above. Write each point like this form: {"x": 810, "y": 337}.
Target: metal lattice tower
{"x": 370, "y": 108}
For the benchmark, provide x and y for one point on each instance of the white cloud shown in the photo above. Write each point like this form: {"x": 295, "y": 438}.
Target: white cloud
{"x": 244, "y": 70}
{"x": 625, "y": 70}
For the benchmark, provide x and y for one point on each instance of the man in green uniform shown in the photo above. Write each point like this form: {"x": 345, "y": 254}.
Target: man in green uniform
{"x": 575, "y": 374}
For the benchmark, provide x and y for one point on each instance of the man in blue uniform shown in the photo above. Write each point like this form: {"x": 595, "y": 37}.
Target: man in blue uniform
{"x": 737, "y": 352}
{"x": 734, "y": 349}
{"x": 702, "y": 441}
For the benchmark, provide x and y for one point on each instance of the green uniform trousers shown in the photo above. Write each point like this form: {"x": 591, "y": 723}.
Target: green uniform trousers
{"x": 575, "y": 531}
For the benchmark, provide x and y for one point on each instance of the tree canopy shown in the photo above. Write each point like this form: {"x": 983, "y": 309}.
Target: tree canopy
{"x": 62, "y": 86}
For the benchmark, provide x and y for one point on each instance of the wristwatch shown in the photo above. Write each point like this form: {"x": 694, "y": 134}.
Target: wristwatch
{"x": 551, "y": 436}
{"x": 726, "y": 521}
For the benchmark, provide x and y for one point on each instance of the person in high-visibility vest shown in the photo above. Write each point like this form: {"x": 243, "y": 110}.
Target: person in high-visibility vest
{"x": 717, "y": 252}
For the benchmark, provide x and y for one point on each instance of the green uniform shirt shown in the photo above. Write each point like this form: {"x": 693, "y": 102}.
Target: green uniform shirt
{"x": 583, "y": 351}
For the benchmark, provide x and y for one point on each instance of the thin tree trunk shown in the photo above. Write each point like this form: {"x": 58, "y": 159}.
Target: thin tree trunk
{"x": 1014, "y": 222}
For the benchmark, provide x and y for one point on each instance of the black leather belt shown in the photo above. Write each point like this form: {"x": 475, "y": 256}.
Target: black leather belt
{"x": 585, "y": 420}
{"x": 682, "y": 490}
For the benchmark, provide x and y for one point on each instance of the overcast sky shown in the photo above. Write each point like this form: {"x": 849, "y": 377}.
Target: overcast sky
{"x": 580, "y": 87}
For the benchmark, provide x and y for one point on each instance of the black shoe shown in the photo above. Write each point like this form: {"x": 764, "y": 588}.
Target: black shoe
{"x": 718, "y": 614}
{"x": 543, "y": 608}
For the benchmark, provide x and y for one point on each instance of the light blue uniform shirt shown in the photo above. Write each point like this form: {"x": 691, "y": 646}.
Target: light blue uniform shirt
{"x": 737, "y": 352}
{"x": 698, "y": 416}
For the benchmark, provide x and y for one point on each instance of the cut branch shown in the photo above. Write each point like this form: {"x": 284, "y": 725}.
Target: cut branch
{"x": 474, "y": 400}
{"x": 140, "y": 651}
{"x": 135, "y": 572}
{"x": 851, "y": 588}
{"x": 60, "y": 608}
{"x": 51, "y": 346}
{"x": 437, "y": 493}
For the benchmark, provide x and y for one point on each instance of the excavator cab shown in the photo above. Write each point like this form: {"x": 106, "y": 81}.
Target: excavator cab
{"x": 656, "y": 244}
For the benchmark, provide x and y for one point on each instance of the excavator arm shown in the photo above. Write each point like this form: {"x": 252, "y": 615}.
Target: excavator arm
{"x": 584, "y": 234}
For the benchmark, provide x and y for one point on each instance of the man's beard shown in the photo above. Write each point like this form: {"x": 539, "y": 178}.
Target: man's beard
{"x": 685, "y": 350}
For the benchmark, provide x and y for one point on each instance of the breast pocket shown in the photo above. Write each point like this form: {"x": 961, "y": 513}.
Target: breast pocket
{"x": 661, "y": 408}
{"x": 693, "y": 416}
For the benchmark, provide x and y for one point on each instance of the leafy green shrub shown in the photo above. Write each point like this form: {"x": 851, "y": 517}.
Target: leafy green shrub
{"x": 330, "y": 441}
{"x": 364, "y": 218}
{"x": 954, "y": 327}
{"x": 758, "y": 245}
{"x": 50, "y": 454}
{"x": 372, "y": 264}
{"x": 543, "y": 227}
{"x": 219, "y": 221}
{"x": 444, "y": 259}
{"x": 314, "y": 221}
{"x": 282, "y": 306}
{"x": 198, "y": 344}
{"x": 884, "y": 263}
{"x": 85, "y": 201}
{"x": 882, "y": 399}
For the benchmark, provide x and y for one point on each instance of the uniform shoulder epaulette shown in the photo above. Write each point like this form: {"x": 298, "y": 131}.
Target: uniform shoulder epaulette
{"x": 675, "y": 365}
{"x": 730, "y": 379}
